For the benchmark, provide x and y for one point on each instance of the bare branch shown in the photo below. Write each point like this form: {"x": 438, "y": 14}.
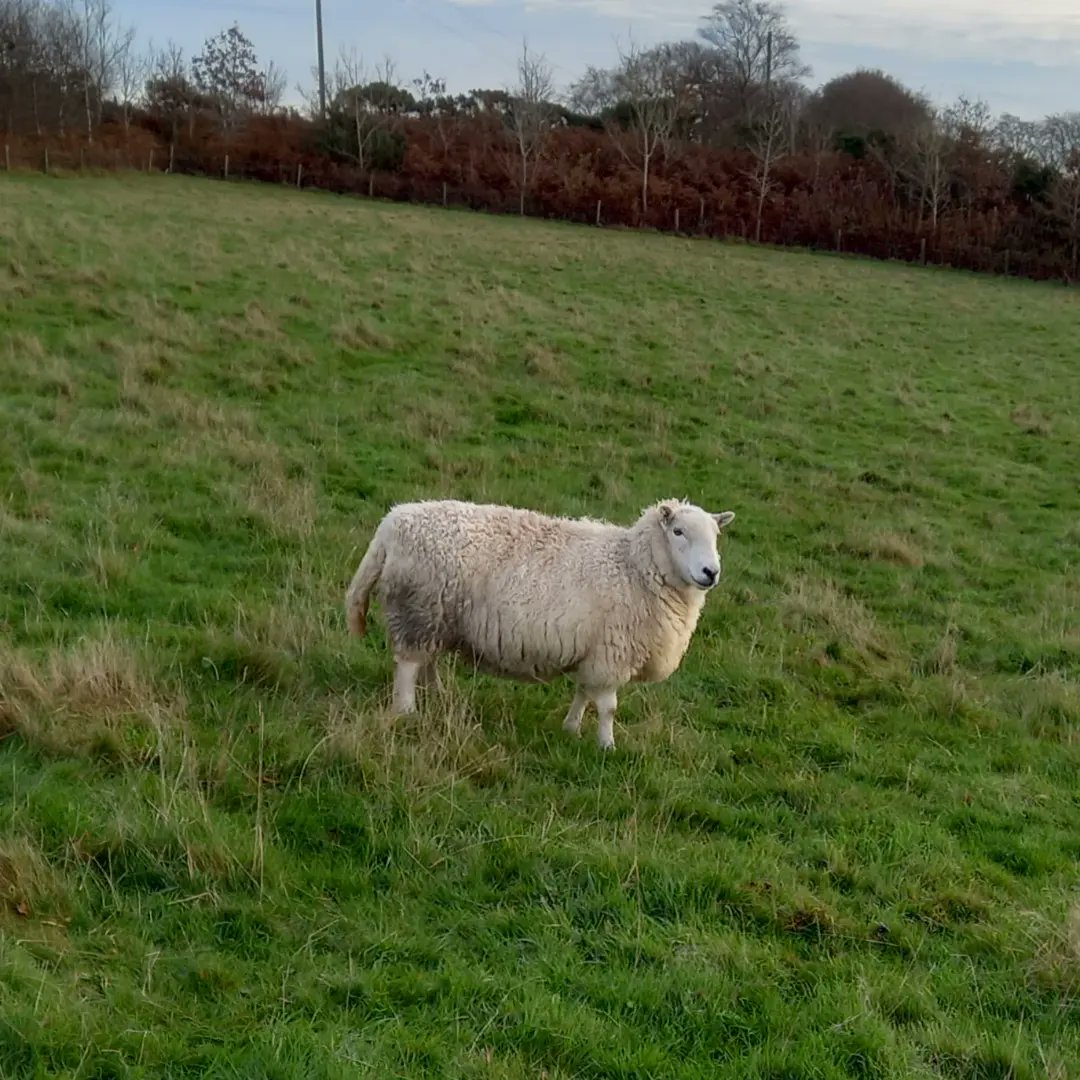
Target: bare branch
{"x": 531, "y": 115}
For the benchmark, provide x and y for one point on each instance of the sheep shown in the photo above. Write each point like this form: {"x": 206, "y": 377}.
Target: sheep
{"x": 531, "y": 597}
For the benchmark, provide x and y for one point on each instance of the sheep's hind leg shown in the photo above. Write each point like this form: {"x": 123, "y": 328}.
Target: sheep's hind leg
{"x": 606, "y": 703}
{"x": 406, "y": 671}
{"x": 572, "y": 723}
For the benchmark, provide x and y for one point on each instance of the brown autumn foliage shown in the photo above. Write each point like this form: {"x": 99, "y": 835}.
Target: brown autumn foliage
{"x": 691, "y": 137}
{"x": 823, "y": 199}
{"x": 826, "y": 200}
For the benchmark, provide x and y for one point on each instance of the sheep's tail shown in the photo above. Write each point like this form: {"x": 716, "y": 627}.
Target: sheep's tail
{"x": 364, "y": 580}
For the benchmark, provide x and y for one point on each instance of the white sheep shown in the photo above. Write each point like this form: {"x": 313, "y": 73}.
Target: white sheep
{"x": 531, "y": 597}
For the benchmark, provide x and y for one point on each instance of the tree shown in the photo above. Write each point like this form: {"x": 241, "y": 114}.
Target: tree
{"x": 23, "y": 70}
{"x": 924, "y": 164}
{"x": 102, "y": 43}
{"x": 702, "y": 74}
{"x": 757, "y": 49}
{"x": 767, "y": 145}
{"x": 228, "y": 72}
{"x": 1059, "y": 136}
{"x": 369, "y": 109}
{"x": 273, "y": 89}
{"x": 650, "y": 102}
{"x": 867, "y": 105}
{"x": 62, "y": 60}
{"x": 132, "y": 69}
{"x": 170, "y": 97}
{"x": 595, "y": 93}
{"x": 1016, "y": 138}
{"x": 1065, "y": 206}
{"x": 531, "y": 115}
{"x": 967, "y": 120}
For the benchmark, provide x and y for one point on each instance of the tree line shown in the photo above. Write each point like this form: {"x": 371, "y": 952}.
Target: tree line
{"x": 720, "y": 135}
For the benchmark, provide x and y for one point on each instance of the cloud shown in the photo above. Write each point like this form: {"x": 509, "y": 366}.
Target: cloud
{"x": 1043, "y": 32}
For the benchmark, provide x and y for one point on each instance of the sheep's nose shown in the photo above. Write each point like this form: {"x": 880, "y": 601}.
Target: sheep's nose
{"x": 710, "y": 575}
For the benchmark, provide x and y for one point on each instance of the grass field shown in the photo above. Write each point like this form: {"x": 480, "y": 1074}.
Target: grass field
{"x": 842, "y": 841}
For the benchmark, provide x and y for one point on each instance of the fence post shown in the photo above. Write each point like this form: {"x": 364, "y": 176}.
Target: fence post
{"x": 839, "y": 239}
{"x": 7, "y": 158}
{"x": 172, "y": 156}
{"x": 444, "y": 193}
{"x": 226, "y": 166}
{"x": 46, "y": 161}
{"x": 371, "y": 185}
{"x": 150, "y": 161}
{"x": 597, "y": 211}
{"x": 1007, "y": 254}
{"x": 676, "y": 219}
{"x": 82, "y": 159}
{"x": 922, "y": 250}
{"x": 701, "y": 214}
{"x": 299, "y": 173}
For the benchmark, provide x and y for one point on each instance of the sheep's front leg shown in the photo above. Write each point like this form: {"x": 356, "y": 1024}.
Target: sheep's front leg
{"x": 606, "y": 703}
{"x": 572, "y": 723}
{"x": 406, "y": 671}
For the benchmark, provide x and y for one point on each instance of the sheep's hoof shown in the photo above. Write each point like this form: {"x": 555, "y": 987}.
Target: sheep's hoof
{"x": 571, "y": 728}
{"x": 606, "y": 744}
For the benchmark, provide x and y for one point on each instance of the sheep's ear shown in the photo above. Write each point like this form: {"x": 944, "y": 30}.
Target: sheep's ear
{"x": 725, "y": 519}
{"x": 667, "y": 514}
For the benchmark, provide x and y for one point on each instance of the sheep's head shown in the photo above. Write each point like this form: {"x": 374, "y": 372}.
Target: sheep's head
{"x": 689, "y": 535}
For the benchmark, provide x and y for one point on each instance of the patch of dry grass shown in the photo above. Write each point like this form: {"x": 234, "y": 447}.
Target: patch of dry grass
{"x": 354, "y": 334}
{"x": 1055, "y": 965}
{"x": 544, "y": 362}
{"x": 885, "y": 545}
{"x": 34, "y": 896}
{"x": 820, "y": 608}
{"x": 1031, "y": 420}
{"x": 78, "y": 698}
{"x": 1048, "y": 705}
{"x": 444, "y": 743}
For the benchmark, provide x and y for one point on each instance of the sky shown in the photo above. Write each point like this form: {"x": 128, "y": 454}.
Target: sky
{"x": 1020, "y": 56}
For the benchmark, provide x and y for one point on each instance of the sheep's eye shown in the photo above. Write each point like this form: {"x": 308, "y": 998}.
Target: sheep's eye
{"x": 677, "y": 531}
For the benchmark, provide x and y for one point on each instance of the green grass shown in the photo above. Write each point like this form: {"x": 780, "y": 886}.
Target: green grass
{"x": 842, "y": 841}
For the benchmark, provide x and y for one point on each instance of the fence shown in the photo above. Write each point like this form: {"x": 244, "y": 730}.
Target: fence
{"x": 896, "y": 240}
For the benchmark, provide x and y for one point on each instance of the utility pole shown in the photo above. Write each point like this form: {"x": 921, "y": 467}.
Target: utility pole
{"x": 322, "y": 63}
{"x": 768, "y": 65}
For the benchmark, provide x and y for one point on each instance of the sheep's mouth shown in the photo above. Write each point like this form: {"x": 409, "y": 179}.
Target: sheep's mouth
{"x": 705, "y": 586}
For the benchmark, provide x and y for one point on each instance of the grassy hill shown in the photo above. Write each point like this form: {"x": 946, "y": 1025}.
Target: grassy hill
{"x": 842, "y": 841}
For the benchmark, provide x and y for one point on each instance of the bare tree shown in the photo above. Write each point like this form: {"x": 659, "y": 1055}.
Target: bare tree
{"x": 132, "y": 70}
{"x": 1059, "y": 137}
{"x": 61, "y": 58}
{"x": 531, "y": 116}
{"x": 370, "y": 106}
{"x": 924, "y": 163}
{"x": 169, "y": 94}
{"x": 595, "y": 93}
{"x": 1065, "y": 206}
{"x": 274, "y": 81}
{"x": 22, "y": 64}
{"x": 967, "y": 120}
{"x": 649, "y": 92}
{"x": 434, "y": 104}
{"x": 758, "y": 49}
{"x": 101, "y": 43}
{"x": 770, "y": 131}
{"x": 1016, "y": 137}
